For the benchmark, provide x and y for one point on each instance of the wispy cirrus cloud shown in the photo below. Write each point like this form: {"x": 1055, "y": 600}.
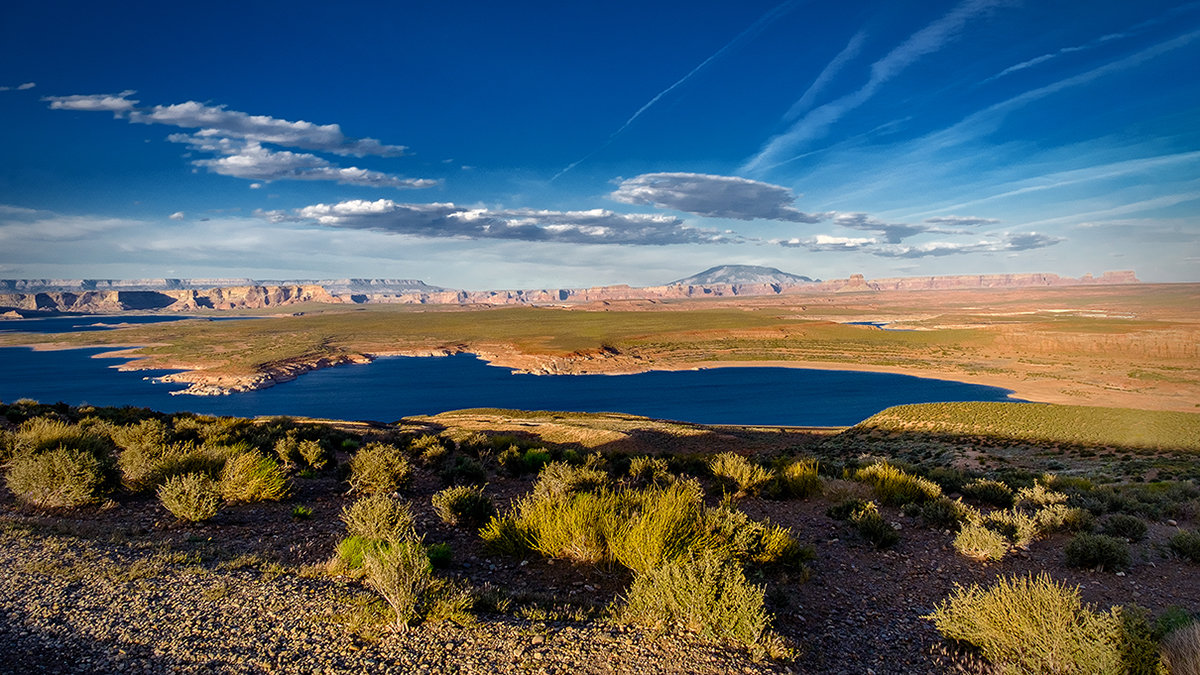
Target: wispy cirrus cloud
{"x": 20, "y": 87}
{"x": 817, "y": 121}
{"x": 238, "y": 140}
{"x": 447, "y": 220}
{"x": 714, "y": 196}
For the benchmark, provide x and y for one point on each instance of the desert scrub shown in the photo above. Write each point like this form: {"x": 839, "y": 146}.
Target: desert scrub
{"x": 402, "y": 575}
{"x": 378, "y": 518}
{"x": 1037, "y": 497}
{"x": 519, "y": 462}
{"x": 732, "y": 469}
{"x": 1098, "y": 551}
{"x": 736, "y": 536}
{"x": 251, "y": 477}
{"x": 463, "y": 505}
{"x": 872, "y": 526}
{"x": 294, "y": 451}
{"x": 845, "y": 508}
{"x": 61, "y": 478}
{"x": 991, "y": 492}
{"x": 1186, "y": 544}
{"x": 798, "y": 479}
{"x": 1124, "y": 526}
{"x": 557, "y": 480}
{"x": 706, "y": 594}
{"x": 194, "y": 497}
{"x": 1016, "y": 526}
{"x": 894, "y": 487}
{"x": 948, "y": 514}
{"x": 1032, "y": 625}
{"x": 668, "y": 524}
{"x": 979, "y": 543}
{"x": 463, "y": 470}
{"x": 43, "y": 434}
{"x": 379, "y": 468}
{"x": 429, "y": 448}
{"x": 503, "y": 535}
{"x": 650, "y": 471}
{"x": 1181, "y": 650}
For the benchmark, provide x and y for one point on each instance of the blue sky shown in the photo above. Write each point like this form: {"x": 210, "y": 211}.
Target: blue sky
{"x": 521, "y": 145}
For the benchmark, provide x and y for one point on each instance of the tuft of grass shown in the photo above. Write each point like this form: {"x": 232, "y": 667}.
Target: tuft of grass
{"x": 194, "y": 497}
{"x": 795, "y": 480}
{"x": 557, "y": 480}
{"x": 379, "y": 468}
{"x": 991, "y": 492}
{"x": 894, "y": 487}
{"x": 463, "y": 506}
{"x": 1031, "y": 625}
{"x": 301, "y": 512}
{"x": 980, "y": 543}
{"x": 378, "y": 518}
{"x": 251, "y": 477}
{"x": 872, "y": 526}
{"x": 705, "y": 593}
{"x": 948, "y": 514}
{"x": 1181, "y": 650}
{"x": 503, "y": 535}
{"x": 1186, "y": 544}
{"x": 732, "y": 469}
{"x": 650, "y": 471}
{"x": 402, "y": 575}
{"x": 667, "y": 524}
{"x": 1017, "y": 526}
{"x": 1098, "y": 551}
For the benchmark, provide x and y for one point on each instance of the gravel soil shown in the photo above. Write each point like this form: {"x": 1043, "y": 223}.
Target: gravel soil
{"x": 125, "y": 588}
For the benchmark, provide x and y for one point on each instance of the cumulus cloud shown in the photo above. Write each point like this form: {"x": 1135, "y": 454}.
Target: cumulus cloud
{"x": 1005, "y": 243}
{"x": 178, "y": 215}
{"x": 714, "y": 196}
{"x": 239, "y": 139}
{"x": 118, "y": 104}
{"x": 254, "y": 162}
{"x": 441, "y": 220}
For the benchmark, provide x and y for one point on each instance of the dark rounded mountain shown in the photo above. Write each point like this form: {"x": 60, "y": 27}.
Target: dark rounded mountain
{"x": 743, "y": 274}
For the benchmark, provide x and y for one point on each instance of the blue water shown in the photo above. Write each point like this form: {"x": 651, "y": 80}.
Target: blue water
{"x": 88, "y": 322}
{"x": 395, "y": 387}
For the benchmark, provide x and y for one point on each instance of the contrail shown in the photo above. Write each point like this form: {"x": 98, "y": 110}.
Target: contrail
{"x": 754, "y": 29}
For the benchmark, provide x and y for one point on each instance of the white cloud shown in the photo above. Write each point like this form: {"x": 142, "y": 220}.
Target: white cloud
{"x": 441, "y": 220}
{"x": 20, "y": 87}
{"x": 118, "y": 104}
{"x": 961, "y": 221}
{"x": 813, "y": 125}
{"x": 178, "y": 215}
{"x": 714, "y": 196}
{"x": 1008, "y": 242}
{"x": 238, "y": 140}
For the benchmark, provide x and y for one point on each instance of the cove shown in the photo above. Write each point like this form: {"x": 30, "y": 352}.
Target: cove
{"x": 394, "y": 387}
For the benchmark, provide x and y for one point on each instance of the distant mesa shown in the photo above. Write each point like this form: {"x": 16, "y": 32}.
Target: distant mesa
{"x": 40, "y": 297}
{"x": 742, "y": 274}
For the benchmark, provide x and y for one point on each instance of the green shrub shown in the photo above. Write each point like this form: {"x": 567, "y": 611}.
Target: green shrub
{"x": 1187, "y": 545}
{"x": 732, "y": 469}
{"x": 666, "y": 525}
{"x": 294, "y": 451}
{"x": 1018, "y": 527}
{"x": 350, "y": 550}
{"x": 301, "y": 512}
{"x": 947, "y": 514}
{"x": 704, "y": 593}
{"x": 872, "y": 526}
{"x": 503, "y": 535}
{"x": 61, "y": 478}
{"x": 462, "y": 505}
{"x": 990, "y": 492}
{"x": 980, "y": 543}
{"x": 464, "y": 471}
{"x": 1098, "y": 551}
{"x": 402, "y": 575}
{"x": 379, "y": 468}
{"x": 1124, "y": 526}
{"x": 42, "y": 434}
{"x": 1136, "y": 643}
{"x": 1181, "y": 650}
{"x": 1031, "y": 625}
{"x": 440, "y": 555}
{"x": 193, "y": 497}
{"x": 1037, "y": 497}
{"x": 650, "y": 471}
{"x": 846, "y": 508}
{"x": 378, "y": 518}
{"x": 520, "y": 462}
{"x": 1058, "y": 518}
{"x": 796, "y": 480}
{"x": 576, "y": 528}
{"x": 251, "y": 477}
{"x": 146, "y": 467}
{"x": 557, "y": 480}
{"x": 895, "y": 487}
{"x": 736, "y": 536}
{"x": 429, "y": 448}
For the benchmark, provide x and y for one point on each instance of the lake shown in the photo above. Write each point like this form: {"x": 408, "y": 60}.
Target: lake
{"x": 395, "y": 387}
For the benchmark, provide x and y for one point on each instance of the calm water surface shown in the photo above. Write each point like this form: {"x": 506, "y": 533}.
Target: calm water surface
{"x": 395, "y": 387}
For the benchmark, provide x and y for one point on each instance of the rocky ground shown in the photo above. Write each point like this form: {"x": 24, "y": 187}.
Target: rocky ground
{"x": 124, "y": 587}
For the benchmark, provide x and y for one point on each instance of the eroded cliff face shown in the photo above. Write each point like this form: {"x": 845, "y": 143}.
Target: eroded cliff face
{"x": 258, "y": 296}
